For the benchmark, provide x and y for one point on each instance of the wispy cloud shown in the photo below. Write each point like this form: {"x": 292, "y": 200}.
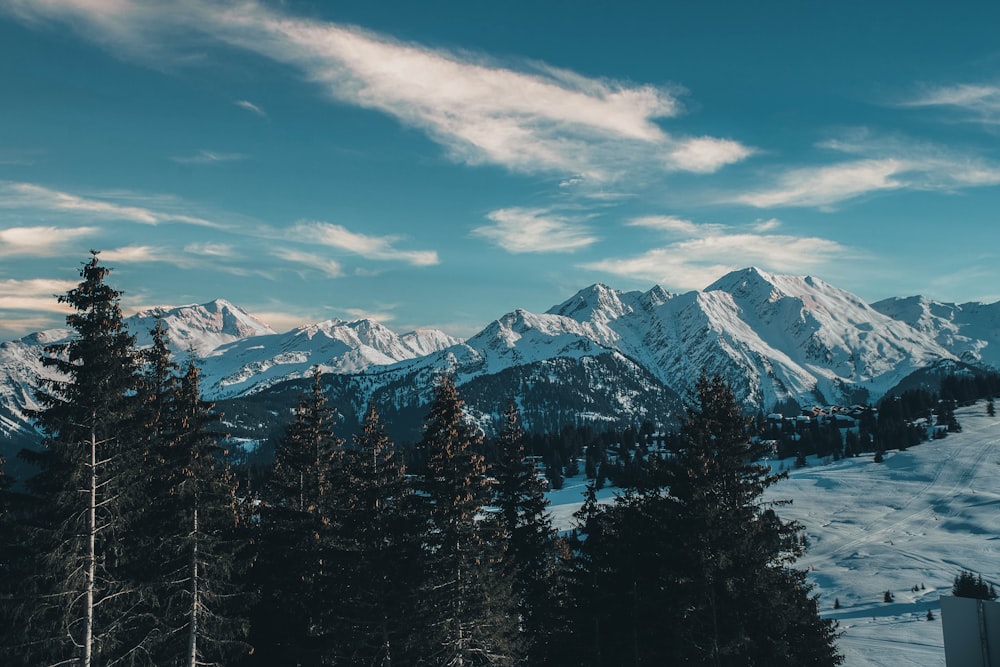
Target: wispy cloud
{"x": 369, "y": 247}
{"x": 706, "y": 155}
{"x": 673, "y": 224}
{"x": 707, "y": 251}
{"x": 374, "y": 315}
{"x": 30, "y": 196}
{"x": 827, "y": 185}
{"x": 251, "y": 107}
{"x": 879, "y": 164}
{"x": 210, "y": 249}
{"x": 523, "y": 230}
{"x": 526, "y": 116}
{"x": 324, "y": 265}
{"x": 136, "y": 253}
{"x": 35, "y": 294}
{"x": 977, "y": 101}
{"x": 208, "y": 157}
{"x": 40, "y": 241}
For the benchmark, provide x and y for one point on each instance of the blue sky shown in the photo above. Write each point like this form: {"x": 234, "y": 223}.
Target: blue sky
{"x": 437, "y": 164}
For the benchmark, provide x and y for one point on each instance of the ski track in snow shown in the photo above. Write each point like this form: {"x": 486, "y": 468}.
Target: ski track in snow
{"x": 916, "y": 519}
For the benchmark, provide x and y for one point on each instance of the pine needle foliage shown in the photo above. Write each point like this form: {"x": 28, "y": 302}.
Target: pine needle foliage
{"x": 467, "y": 604}
{"x": 85, "y": 486}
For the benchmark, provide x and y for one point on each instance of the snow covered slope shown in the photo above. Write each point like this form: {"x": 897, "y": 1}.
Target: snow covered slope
{"x": 915, "y": 520}
{"x": 772, "y": 337}
{"x": 970, "y": 331}
{"x": 198, "y": 329}
{"x": 251, "y": 364}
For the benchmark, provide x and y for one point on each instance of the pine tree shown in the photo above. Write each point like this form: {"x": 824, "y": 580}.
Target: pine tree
{"x": 296, "y": 522}
{"x": 990, "y": 408}
{"x": 693, "y": 567}
{"x": 201, "y": 618}
{"x": 10, "y": 560}
{"x": 87, "y": 475}
{"x": 370, "y": 598}
{"x": 526, "y": 528}
{"x": 969, "y": 585}
{"x": 467, "y": 604}
{"x": 746, "y": 604}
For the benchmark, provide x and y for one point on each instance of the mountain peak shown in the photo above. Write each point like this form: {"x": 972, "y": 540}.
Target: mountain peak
{"x": 596, "y": 303}
{"x": 199, "y": 328}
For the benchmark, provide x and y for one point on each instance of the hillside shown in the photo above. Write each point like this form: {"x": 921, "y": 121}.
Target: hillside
{"x": 918, "y": 518}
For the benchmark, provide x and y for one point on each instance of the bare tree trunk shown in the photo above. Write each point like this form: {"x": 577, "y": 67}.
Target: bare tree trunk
{"x": 88, "y": 630}
{"x": 195, "y": 599}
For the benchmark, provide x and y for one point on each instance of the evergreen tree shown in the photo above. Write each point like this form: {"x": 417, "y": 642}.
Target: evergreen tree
{"x": 10, "y": 559}
{"x": 467, "y": 605}
{"x": 969, "y": 585}
{"x": 200, "y": 601}
{"x": 285, "y": 628}
{"x": 693, "y": 567}
{"x": 370, "y": 599}
{"x": 85, "y": 485}
{"x": 744, "y": 603}
{"x": 526, "y": 528}
{"x": 990, "y": 408}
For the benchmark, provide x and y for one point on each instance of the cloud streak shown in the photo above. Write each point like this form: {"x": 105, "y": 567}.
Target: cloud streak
{"x": 208, "y": 157}
{"x": 40, "y": 241}
{"x": 979, "y": 102}
{"x": 703, "y": 252}
{"x": 36, "y": 294}
{"x": 879, "y": 164}
{"x": 370, "y": 247}
{"x": 35, "y": 197}
{"x": 328, "y": 267}
{"x": 529, "y": 117}
{"x": 534, "y": 230}
{"x": 251, "y": 107}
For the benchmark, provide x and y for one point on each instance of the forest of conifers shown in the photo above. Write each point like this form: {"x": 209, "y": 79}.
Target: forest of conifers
{"x": 136, "y": 543}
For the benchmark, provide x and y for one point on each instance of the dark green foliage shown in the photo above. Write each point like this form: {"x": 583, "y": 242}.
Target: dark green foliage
{"x": 292, "y": 541}
{"x": 699, "y": 573}
{"x": 970, "y": 585}
{"x": 86, "y": 485}
{"x": 467, "y": 604}
{"x": 370, "y": 609}
{"x": 197, "y": 562}
{"x": 531, "y": 559}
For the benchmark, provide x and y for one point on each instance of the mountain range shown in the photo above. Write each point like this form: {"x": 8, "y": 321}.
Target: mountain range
{"x": 603, "y": 355}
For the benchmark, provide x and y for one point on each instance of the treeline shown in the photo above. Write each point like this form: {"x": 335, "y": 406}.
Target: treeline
{"x": 136, "y": 545}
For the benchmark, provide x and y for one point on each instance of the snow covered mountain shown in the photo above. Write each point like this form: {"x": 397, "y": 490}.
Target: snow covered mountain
{"x": 250, "y": 364}
{"x": 198, "y": 330}
{"x": 773, "y": 337}
{"x": 970, "y": 331}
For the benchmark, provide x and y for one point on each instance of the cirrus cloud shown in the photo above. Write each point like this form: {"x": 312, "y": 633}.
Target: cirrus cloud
{"x": 369, "y": 247}
{"x": 530, "y": 230}
{"x": 526, "y": 116}
{"x": 705, "y": 251}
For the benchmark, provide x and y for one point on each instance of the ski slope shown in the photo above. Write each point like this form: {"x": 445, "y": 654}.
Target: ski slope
{"x": 914, "y": 520}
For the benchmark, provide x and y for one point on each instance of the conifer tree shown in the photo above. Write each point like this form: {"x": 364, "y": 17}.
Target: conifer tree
{"x": 10, "y": 552}
{"x": 526, "y": 528}
{"x": 467, "y": 604}
{"x": 296, "y": 524}
{"x": 87, "y": 473}
{"x": 745, "y": 604}
{"x": 201, "y": 605}
{"x": 370, "y": 598}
